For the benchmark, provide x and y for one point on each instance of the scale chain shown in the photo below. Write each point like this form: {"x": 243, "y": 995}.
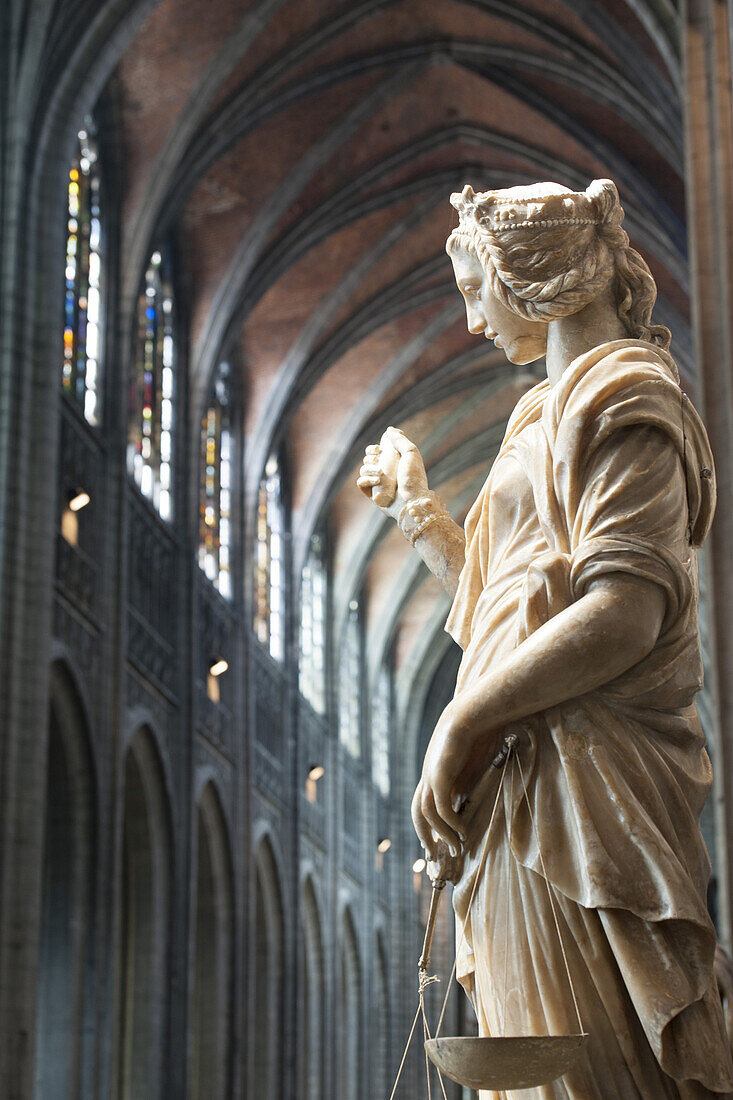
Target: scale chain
{"x": 499, "y": 762}
{"x": 508, "y": 822}
{"x": 551, "y": 899}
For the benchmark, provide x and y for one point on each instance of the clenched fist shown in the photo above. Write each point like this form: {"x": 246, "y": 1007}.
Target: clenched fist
{"x": 393, "y": 473}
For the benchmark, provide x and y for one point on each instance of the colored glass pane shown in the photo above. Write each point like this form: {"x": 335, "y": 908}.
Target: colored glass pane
{"x": 215, "y": 521}
{"x": 80, "y": 373}
{"x": 269, "y": 564}
{"x": 152, "y": 389}
{"x": 381, "y": 732}
{"x": 312, "y": 667}
{"x": 350, "y": 683}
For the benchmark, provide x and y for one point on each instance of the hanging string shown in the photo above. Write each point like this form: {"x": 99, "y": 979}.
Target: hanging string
{"x": 479, "y": 872}
{"x": 405, "y": 1051}
{"x": 427, "y": 1060}
{"x": 683, "y": 400}
{"x": 508, "y": 822}
{"x": 425, "y": 981}
{"x": 500, "y": 762}
{"x": 427, "y": 1035}
{"x": 552, "y": 900}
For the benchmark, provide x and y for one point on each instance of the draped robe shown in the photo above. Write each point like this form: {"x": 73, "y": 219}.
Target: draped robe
{"x": 607, "y": 472}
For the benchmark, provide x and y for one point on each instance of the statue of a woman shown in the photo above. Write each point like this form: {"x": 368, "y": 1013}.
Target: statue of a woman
{"x": 575, "y": 602}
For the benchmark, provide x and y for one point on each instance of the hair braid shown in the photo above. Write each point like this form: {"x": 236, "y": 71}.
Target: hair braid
{"x": 548, "y": 252}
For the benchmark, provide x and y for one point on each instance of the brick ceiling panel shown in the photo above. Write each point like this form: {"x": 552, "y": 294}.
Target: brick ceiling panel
{"x": 445, "y": 94}
{"x": 336, "y": 399}
{"x": 625, "y": 14}
{"x": 156, "y": 76}
{"x": 420, "y": 425}
{"x": 634, "y": 146}
{"x": 415, "y": 617}
{"x": 564, "y": 15}
{"x": 275, "y": 324}
{"x": 349, "y": 521}
{"x": 446, "y": 347}
{"x": 302, "y": 153}
{"x": 287, "y": 29}
{"x": 423, "y": 21}
{"x": 381, "y": 578}
{"x": 494, "y": 408}
{"x": 221, "y": 209}
{"x": 420, "y": 245}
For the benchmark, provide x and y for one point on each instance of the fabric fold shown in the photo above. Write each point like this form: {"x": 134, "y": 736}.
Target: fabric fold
{"x": 608, "y": 472}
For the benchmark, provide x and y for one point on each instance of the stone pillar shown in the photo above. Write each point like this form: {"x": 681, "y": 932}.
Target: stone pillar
{"x": 708, "y": 114}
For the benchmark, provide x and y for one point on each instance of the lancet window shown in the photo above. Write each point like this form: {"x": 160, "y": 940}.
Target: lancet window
{"x": 152, "y": 389}
{"x": 269, "y": 561}
{"x": 350, "y": 667}
{"x": 215, "y": 495}
{"x": 312, "y": 670}
{"x": 381, "y": 731}
{"x": 82, "y": 303}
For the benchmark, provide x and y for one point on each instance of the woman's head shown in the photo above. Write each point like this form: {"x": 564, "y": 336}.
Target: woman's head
{"x": 523, "y": 340}
{"x": 546, "y": 252}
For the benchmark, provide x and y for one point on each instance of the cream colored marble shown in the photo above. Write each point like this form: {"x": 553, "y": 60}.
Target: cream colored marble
{"x": 575, "y": 597}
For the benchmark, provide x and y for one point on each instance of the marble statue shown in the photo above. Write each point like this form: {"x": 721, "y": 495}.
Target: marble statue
{"x": 575, "y": 601}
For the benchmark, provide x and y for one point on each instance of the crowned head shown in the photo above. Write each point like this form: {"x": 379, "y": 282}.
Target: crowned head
{"x": 547, "y": 252}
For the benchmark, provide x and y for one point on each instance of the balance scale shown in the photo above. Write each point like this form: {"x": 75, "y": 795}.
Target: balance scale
{"x": 503, "y": 1063}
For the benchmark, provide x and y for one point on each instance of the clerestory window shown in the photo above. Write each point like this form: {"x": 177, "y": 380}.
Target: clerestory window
{"x": 81, "y": 370}
{"x": 215, "y": 491}
{"x": 152, "y": 389}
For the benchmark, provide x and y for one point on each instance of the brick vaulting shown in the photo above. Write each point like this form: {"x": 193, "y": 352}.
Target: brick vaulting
{"x": 184, "y": 909}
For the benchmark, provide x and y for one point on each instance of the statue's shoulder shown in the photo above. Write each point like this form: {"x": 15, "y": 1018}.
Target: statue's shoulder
{"x": 527, "y": 410}
{"x": 612, "y": 375}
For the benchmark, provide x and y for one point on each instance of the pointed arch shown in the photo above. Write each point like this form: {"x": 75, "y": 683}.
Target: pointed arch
{"x": 266, "y": 1061}
{"x": 349, "y": 1024}
{"x": 312, "y": 969}
{"x": 67, "y": 903}
{"x": 211, "y": 993}
{"x": 380, "y": 1029}
{"x": 143, "y": 994}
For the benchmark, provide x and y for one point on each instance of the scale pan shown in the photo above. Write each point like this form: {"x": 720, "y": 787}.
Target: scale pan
{"x": 506, "y": 1062}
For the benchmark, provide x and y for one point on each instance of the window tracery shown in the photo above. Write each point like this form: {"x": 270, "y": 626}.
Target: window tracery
{"x": 152, "y": 389}
{"x": 215, "y": 494}
{"x": 312, "y": 667}
{"x": 350, "y": 683}
{"x": 269, "y": 562}
{"x": 82, "y": 303}
{"x": 381, "y": 731}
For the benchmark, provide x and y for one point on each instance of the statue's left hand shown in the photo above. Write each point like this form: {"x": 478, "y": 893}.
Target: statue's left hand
{"x": 445, "y": 867}
{"x": 454, "y": 759}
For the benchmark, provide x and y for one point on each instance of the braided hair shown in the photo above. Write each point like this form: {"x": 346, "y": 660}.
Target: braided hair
{"x": 549, "y": 251}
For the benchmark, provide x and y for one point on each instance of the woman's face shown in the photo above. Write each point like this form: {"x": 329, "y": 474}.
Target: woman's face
{"x": 523, "y": 341}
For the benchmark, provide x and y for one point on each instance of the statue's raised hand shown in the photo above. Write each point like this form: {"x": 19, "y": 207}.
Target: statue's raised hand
{"x": 393, "y": 473}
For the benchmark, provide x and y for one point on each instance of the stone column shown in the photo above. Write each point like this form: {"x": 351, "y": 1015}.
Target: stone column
{"x": 708, "y": 114}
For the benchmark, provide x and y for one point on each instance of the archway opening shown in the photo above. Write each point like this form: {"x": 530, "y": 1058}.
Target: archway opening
{"x": 381, "y": 1023}
{"x": 145, "y": 925}
{"x": 267, "y": 1054}
{"x": 211, "y": 994}
{"x": 67, "y": 899}
{"x": 312, "y": 997}
{"x": 349, "y": 1020}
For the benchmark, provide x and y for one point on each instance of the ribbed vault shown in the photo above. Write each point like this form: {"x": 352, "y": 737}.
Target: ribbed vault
{"x": 301, "y": 155}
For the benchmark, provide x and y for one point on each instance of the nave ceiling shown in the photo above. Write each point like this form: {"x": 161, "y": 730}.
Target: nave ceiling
{"x": 301, "y": 154}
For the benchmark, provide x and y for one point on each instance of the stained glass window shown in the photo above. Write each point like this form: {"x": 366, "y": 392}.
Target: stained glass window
{"x": 269, "y": 562}
{"x": 152, "y": 389}
{"x": 82, "y": 304}
{"x": 381, "y": 730}
{"x": 215, "y": 497}
{"x": 350, "y": 661}
{"x": 312, "y": 671}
